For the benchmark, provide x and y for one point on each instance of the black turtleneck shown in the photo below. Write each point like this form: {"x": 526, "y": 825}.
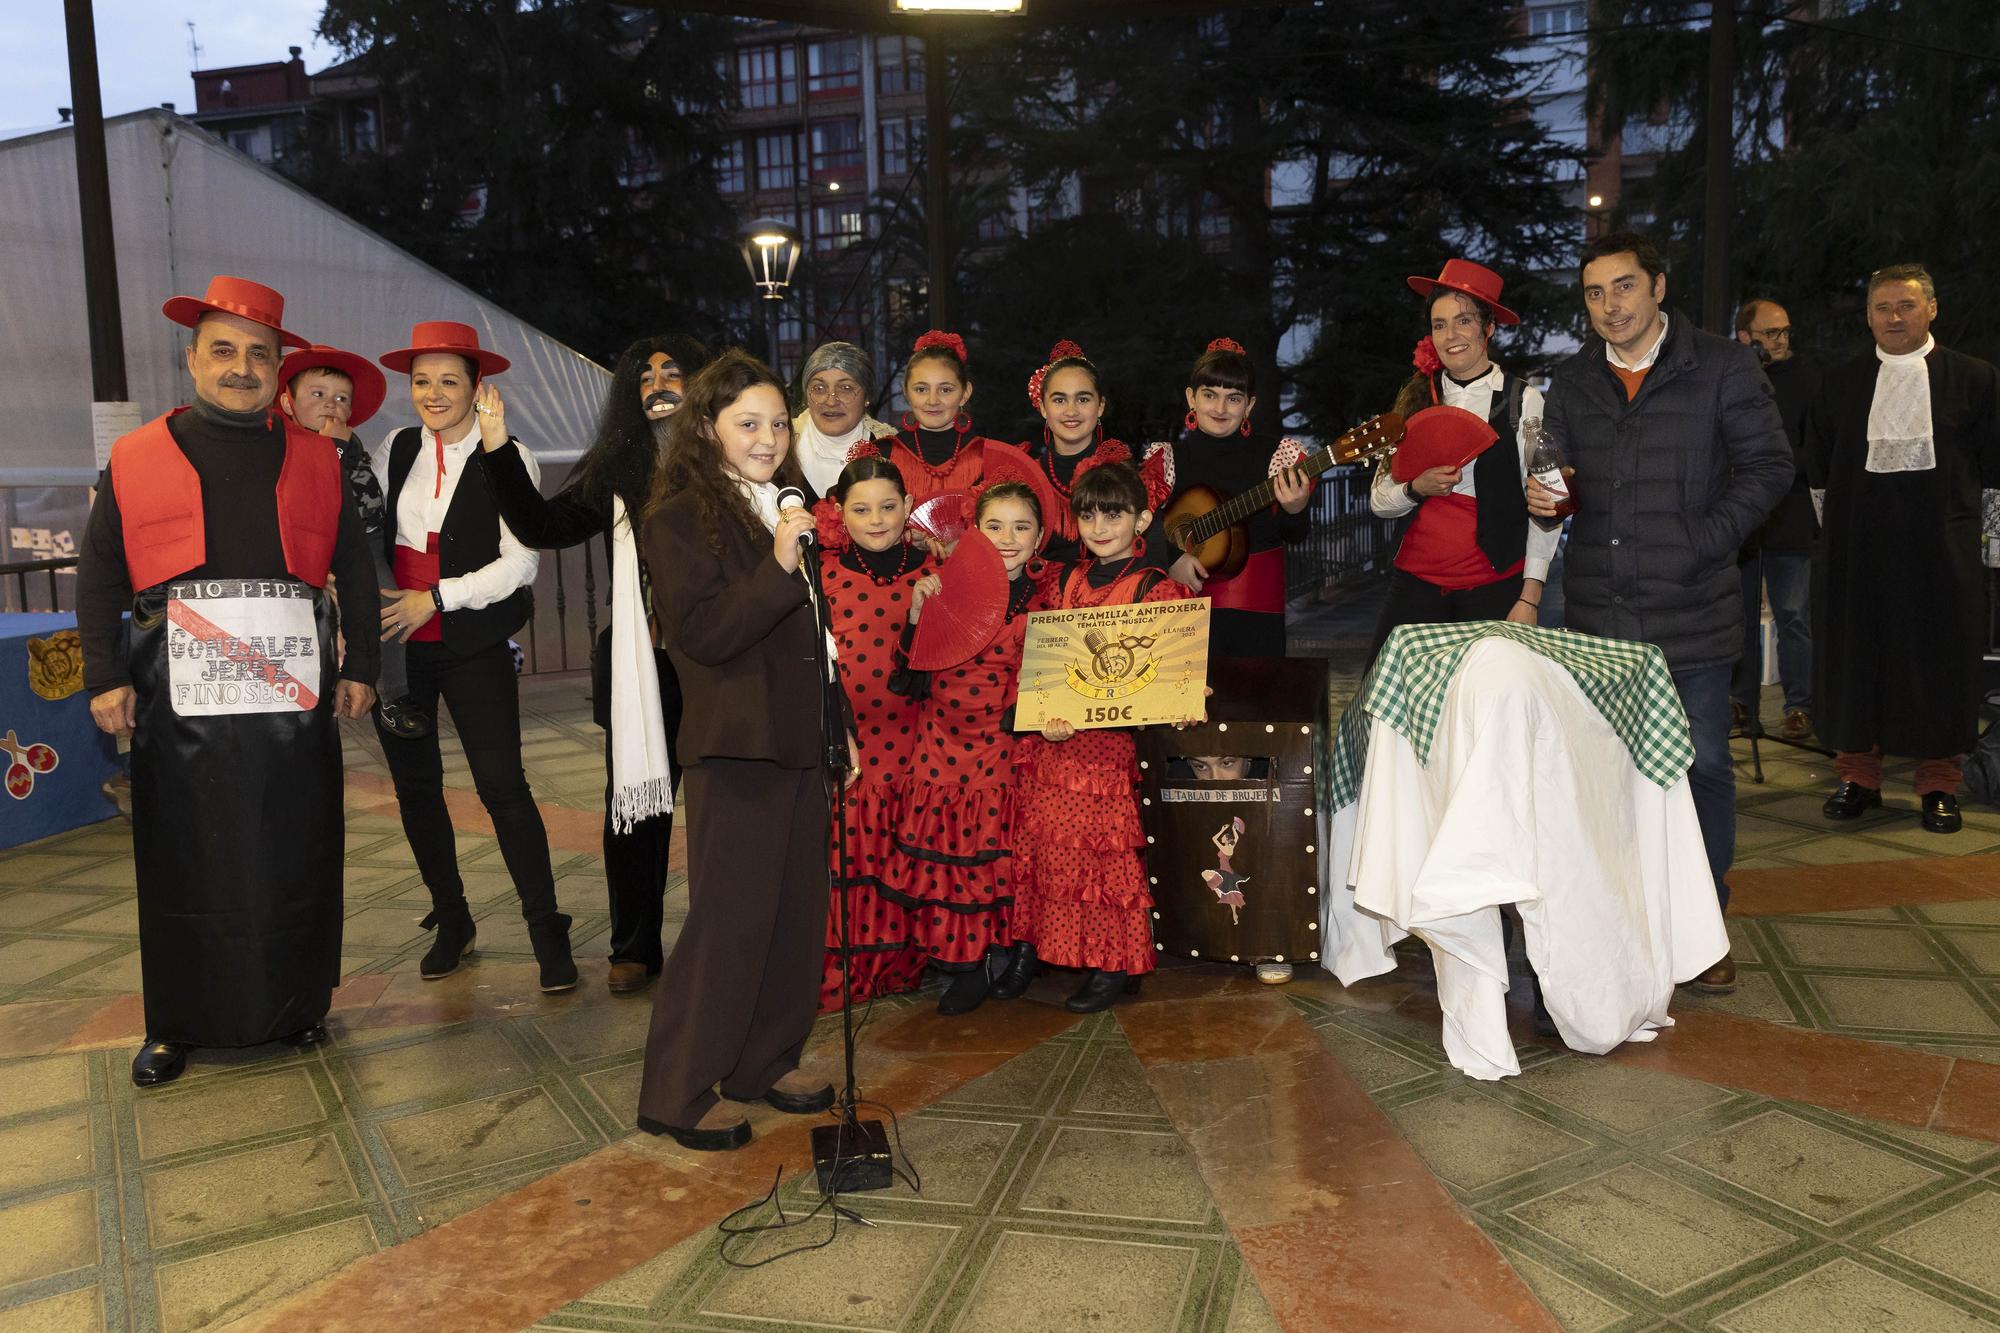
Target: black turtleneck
{"x": 1063, "y": 466}
{"x": 237, "y": 456}
{"x": 1104, "y": 573}
{"x": 936, "y": 447}
{"x": 885, "y": 564}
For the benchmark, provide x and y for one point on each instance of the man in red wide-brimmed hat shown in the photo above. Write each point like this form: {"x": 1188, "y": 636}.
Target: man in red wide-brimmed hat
{"x": 217, "y": 526}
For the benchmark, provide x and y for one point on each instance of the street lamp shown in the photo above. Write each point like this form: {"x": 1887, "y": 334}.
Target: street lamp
{"x": 771, "y": 253}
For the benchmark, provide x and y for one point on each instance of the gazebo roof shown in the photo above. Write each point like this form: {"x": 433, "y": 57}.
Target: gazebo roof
{"x": 882, "y": 15}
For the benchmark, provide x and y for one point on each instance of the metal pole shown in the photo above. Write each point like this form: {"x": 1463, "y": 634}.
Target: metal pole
{"x": 937, "y": 175}
{"x": 93, "y": 198}
{"x": 1718, "y": 196}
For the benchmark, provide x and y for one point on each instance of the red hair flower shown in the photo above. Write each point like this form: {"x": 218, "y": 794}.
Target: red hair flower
{"x": 1425, "y": 357}
{"x": 1228, "y": 345}
{"x": 1061, "y": 351}
{"x": 951, "y": 342}
{"x": 829, "y": 528}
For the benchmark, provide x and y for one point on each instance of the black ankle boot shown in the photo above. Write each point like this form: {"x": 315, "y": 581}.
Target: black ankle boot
{"x": 550, "y": 936}
{"x": 455, "y": 933}
{"x": 1101, "y": 991}
{"x": 967, "y": 991}
{"x": 1020, "y": 970}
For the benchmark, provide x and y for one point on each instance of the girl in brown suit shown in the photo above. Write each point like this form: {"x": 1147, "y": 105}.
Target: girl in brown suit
{"x": 738, "y": 995}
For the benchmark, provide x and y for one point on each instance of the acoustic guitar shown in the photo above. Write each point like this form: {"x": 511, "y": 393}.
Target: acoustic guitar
{"x": 1213, "y": 528}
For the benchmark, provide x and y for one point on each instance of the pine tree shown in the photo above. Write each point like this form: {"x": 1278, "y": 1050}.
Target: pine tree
{"x": 555, "y": 158}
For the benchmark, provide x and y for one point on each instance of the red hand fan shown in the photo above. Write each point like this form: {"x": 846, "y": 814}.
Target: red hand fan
{"x": 966, "y": 612}
{"x": 942, "y": 516}
{"x": 1440, "y": 437}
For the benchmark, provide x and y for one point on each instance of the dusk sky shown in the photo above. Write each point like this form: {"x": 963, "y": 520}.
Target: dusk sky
{"x": 142, "y": 50}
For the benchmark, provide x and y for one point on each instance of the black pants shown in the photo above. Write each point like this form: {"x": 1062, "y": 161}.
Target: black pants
{"x": 1412, "y": 601}
{"x": 739, "y": 995}
{"x": 635, "y": 863}
{"x": 484, "y": 697}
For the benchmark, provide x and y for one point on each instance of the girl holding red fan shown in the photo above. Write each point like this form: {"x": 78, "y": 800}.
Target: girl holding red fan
{"x": 870, "y": 574}
{"x": 1080, "y": 897}
{"x": 954, "y": 866}
{"x": 1221, "y": 449}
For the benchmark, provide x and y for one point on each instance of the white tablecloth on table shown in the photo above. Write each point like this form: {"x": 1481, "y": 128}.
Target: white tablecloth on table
{"x": 1529, "y": 798}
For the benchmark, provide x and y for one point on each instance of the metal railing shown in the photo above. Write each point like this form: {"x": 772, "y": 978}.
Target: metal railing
{"x": 23, "y": 585}
{"x": 1347, "y": 541}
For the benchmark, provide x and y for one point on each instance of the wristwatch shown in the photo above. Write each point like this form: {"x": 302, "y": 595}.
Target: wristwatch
{"x": 437, "y": 598}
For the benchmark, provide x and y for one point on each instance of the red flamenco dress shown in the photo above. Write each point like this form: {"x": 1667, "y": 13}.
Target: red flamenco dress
{"x": 1082, "y": 899}
{"x": 954, "y": 867}
{"x": 933, "y": 462}
{"x": 868, "y": 600}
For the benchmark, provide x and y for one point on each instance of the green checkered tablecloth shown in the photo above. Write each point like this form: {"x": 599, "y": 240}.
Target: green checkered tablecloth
{"x": 1627, "y": 682}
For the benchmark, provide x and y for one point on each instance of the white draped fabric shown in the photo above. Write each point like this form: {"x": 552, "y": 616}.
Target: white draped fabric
{"x": 1529, "y": 798}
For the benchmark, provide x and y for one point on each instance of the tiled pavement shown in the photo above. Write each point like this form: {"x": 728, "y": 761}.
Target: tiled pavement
{"x": 1175, "y": 1165}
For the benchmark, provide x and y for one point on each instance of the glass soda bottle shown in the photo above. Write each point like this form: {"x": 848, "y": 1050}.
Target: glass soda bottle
{"x": 1545, "y": 464}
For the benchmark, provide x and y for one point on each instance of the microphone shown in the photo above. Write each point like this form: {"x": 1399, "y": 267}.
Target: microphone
{"x": 793, "y": 498}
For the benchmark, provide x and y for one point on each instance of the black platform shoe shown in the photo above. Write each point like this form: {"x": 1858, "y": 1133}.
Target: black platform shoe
{"x": 1941, "y": 812}
{"x": 159, "y": 1062}
{"x": 306, "y": 1038}
{"x": 455, "y": 935}
{"x": 701, "y": 1140}
{"x": 1851, "y": 801}
{"x": 1101, "y": 991}
{"x": 967, "y": 991}
{"x": 551, "y": 940}
{"x": 1020, "y": 970}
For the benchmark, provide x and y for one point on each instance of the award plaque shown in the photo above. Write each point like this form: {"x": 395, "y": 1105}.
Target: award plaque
{"x": 1115, "y": 666}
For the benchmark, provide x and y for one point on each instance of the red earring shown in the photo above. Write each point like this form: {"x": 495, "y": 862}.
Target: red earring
{"x": 1246, "y": 425}
{"x": 1190, "y": 419}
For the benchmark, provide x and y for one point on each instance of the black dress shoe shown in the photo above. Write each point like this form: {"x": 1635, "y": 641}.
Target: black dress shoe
{"x": 306, "y": 1038}
{"x": 807, "y": 1103}
{"x": 1101, "y": 991}
{"x": 159, "y": 1062}
{"x": 551, "y": 940}
{"x": 1851, "y": 801}
{"x": 455, "y": 935}
{"x": 1020, "y": 970}
{"x": 967, "y": 991}
{"x": 700, "y": 1140}
{"x": 1545, "y": 1022}
{"x": 1941, "y": 812}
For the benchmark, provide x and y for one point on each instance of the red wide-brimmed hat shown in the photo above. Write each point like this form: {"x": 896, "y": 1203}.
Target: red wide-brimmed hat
{"x": 1440, "y": 437}
{"x": 370, "y": 385}
{"x": 444, "y": 335}
{"x": 1477, "y": 281}
{"x": 967, "y": 610}
{"x": 235, "y": 296}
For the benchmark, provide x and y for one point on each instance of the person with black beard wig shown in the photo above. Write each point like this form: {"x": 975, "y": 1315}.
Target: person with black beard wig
{"x": 610, "y": 484}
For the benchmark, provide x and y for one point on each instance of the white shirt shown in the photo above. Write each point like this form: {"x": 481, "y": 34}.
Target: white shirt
{"x": 1391, "y": 499}
{"x": 1645, "y": 362}
{"x": 426, "y": 498}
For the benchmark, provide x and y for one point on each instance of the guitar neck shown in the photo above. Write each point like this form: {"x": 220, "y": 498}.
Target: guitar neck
{"x": 1234, "y": 511}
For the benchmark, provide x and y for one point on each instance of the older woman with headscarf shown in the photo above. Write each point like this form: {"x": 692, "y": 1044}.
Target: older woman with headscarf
{"x": 836, "y": 384}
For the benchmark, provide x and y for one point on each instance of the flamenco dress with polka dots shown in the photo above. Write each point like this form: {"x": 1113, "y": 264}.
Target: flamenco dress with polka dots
{"x": 954, "y": 862}
{"x": 868, "y": 597}
{"x": 1081, "y": 897}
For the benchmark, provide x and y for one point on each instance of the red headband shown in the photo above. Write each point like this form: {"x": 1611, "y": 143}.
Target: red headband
{"x": 1062, "y": 351}
{"x": 951, "y": 342}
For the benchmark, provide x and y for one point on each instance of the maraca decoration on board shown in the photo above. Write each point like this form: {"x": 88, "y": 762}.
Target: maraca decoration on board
{"x": 28, "y": 760}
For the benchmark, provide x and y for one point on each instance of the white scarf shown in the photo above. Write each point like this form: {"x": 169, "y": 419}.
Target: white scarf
{"x": 1900, "y": 437}
{"x": 642, "y": 780}
{"x": 822, "y": 456}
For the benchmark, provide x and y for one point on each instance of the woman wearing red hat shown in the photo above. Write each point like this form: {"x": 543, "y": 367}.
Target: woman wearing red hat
{"x": 1469, "y": 553}
{"x": 462, "y": 587}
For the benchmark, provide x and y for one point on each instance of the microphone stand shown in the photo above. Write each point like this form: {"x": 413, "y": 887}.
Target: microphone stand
{"x": 851, "y": 1154}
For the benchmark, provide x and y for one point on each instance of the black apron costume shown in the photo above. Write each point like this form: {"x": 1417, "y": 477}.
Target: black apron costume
{"x": 1900, "y": 593}
{"x": 229, "y": 524}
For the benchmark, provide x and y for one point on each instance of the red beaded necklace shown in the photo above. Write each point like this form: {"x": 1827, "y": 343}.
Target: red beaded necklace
{"x": 963, "y": 426}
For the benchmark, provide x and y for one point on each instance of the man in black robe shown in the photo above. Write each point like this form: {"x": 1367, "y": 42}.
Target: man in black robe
{"x": 216, "y": 526}
{"x": 1898, "y": 447}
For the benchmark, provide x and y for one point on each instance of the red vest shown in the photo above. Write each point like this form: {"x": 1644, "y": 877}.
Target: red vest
{"x": 159, "y": 504}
